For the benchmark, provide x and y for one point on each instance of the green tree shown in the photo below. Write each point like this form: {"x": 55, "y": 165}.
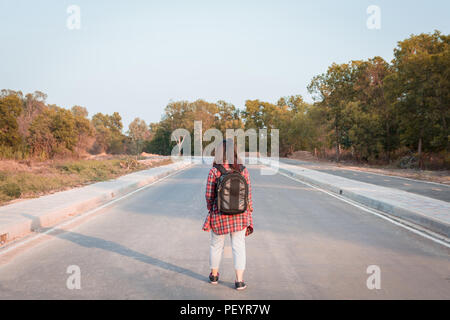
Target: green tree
{"x": 419, "y": 90}
{"x": 294, "y": 103}
{"x": 228, "y": 117}
{"x": 368, "y": 120}
{"x": 100, "y": 122}
{"x": 10, "y": 109}
{"x": 33, "y": 105}
{"x": 52, "y": 133}
{"x": 139, "y": 133}
{"x": 286, "y": 116}
{"x": 79, "y": 111}
{"x": 333, "y": 90}
{"x": 178, "y": 115}
{"x": 160, "y": 142}
{"x": 84, "y": 128}
{"x": 377, "y": 122}
{"x": 108, "y": 136}
{"x": 41, "y": 139}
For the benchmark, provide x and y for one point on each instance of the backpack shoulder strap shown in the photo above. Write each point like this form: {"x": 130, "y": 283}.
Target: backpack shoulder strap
{"x": 221, "y": 168}
{"x": 242, "y": 168}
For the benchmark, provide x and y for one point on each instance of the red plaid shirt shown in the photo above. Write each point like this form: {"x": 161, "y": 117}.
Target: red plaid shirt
{"x": 223, "y": 224}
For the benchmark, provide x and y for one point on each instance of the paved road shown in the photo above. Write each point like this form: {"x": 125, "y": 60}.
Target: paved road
{"x": 306, "y": 245}
{"x": 432, "y": 190}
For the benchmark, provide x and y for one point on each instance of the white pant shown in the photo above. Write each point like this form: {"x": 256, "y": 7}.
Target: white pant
{"x": 237, "y": 245}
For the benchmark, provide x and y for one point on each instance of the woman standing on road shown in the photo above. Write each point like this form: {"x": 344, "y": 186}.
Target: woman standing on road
{"x": 230, "y": 207}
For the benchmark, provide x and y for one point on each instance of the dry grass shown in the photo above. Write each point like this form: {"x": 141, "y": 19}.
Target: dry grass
{"x": 29, "y": 179}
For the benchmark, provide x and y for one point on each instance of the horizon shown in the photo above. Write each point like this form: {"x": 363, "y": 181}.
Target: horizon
{"x": 134, "y": 58}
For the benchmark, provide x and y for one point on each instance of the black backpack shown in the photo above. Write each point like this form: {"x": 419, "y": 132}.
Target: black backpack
{"x": 231, "y": 191}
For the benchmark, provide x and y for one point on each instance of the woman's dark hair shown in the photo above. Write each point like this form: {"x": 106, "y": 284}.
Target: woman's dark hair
{"x": 227, "y": 150}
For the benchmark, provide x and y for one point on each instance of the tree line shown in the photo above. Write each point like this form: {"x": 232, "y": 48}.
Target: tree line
{"x": 367, "y": 110}
{"x": 31, "y": 128}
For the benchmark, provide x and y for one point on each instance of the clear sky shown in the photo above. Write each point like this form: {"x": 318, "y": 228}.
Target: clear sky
{"x": 133, "y": 56}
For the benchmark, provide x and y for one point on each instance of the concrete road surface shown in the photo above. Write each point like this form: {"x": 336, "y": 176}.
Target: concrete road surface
{"x": 306, "y": 245}
{"x": 438, "y": 191}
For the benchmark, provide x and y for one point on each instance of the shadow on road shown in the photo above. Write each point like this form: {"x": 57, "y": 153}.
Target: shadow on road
{"x": 94, "y": 242}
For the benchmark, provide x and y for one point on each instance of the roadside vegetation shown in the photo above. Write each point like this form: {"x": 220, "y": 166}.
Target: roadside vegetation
{"x": 30, "y": 179}
{"x": 366, "y": 111}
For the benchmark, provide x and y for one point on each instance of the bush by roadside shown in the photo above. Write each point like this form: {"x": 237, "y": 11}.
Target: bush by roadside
{"x": 27, "y": 179}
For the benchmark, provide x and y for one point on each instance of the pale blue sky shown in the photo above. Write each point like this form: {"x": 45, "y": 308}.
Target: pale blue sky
{"x": 133, "y": 57}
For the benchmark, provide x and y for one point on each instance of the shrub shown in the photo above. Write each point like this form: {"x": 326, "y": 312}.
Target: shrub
{"x": 12, "y": 190}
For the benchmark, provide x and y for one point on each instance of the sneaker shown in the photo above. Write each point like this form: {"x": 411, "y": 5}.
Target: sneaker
{"x": 240, "y": 285}
{"x": 213, "y": 279}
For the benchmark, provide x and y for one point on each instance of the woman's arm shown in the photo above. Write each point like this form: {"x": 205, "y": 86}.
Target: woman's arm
{"x": 210, "y": 190}
{"x": 250, "y": 201}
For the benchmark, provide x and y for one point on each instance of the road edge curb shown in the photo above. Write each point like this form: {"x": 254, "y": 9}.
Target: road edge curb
{"x": 23, "y": 228}
{"x": 385, "y": 207}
